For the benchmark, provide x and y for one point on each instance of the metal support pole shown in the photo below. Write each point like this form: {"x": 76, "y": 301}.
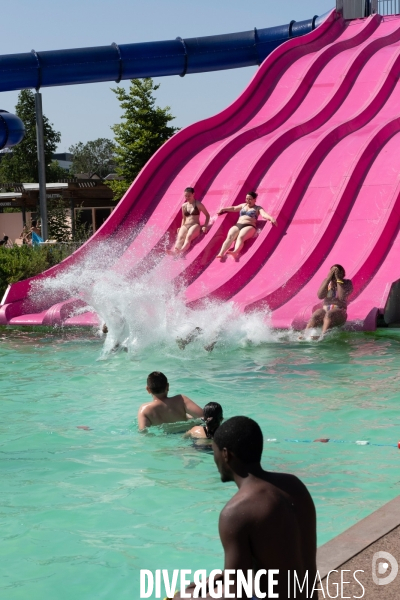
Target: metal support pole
{"x": 41, "y": 164}
{"x": 72, "y": 207}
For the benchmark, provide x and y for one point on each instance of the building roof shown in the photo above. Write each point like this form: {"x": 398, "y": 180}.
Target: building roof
{"x": 64, "y": 156}
{"x": 33, "y": 187}
{"x": 112, "y": 177}
{"x": 10, "y": 195}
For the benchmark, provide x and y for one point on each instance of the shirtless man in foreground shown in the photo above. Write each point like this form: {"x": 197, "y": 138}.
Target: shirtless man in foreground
{"x": 163, "y": 409}
{"x": 270, "y": 523}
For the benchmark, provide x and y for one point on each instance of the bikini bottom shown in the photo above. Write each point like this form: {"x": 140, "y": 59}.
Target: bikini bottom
{"x": 241, "y": 226}
{"x": 330, "y": 306}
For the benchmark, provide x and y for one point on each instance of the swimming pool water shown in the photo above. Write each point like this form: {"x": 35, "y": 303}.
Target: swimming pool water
{"x": 82, "y": 511}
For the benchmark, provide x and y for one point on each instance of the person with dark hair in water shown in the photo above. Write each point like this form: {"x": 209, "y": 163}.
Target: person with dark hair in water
{"x": 334, "y": 291}
{"x": 270, "y": 523}
{"x": 190, "y": 227}
{"x": 163, "y": 409}
{"x": 213, "y": 417}
{"x": 246, "y": 226}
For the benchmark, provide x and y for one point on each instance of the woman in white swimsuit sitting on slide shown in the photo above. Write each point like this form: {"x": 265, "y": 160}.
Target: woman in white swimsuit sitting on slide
{"x": 246, "y": 226}
{"x": 190, "y": 227}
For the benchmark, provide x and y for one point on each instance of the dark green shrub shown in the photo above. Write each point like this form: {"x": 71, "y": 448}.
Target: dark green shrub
{"x": 21, "y": 262}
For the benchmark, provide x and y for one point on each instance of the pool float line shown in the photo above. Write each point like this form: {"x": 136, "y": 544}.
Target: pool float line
{"x": 326, "y": 440}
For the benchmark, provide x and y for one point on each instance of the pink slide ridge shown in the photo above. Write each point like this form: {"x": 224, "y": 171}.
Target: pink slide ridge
{"x": 316, "y": 133}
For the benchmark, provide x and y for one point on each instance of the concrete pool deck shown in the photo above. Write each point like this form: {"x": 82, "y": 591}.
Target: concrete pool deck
{"x": 354, "y": 549}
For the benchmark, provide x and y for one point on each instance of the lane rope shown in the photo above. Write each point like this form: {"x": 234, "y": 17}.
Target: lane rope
{"x": 329, "y": 440}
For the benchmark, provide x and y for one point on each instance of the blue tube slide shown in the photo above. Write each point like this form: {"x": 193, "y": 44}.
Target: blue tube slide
{"x": 12, "y": 130}
{"x": 149, "y": 59}
{"x": 128, "y": 61}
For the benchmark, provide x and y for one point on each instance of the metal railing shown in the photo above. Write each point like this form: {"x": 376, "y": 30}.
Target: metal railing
{"x": 357, "y": 9}
{"x": 389, "y": 7}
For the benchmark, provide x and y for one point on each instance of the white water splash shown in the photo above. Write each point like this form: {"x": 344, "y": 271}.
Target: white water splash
{"x": 149, "y": 310}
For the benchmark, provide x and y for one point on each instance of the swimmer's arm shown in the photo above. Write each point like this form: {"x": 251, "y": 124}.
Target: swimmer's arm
{"x": 205, "y": 212}
{"x": 344, "y": 289}
{"x": 183, "y": 218}
{"x": 192, "y": 409}
{"x": 323, "y": 290}
{"x": 236, "y": 544}
{"x": 230, "y": 209}
{"x": 233, "y": 531}
{"x": 268, "y": 217}
{"x": 143, "y": 419}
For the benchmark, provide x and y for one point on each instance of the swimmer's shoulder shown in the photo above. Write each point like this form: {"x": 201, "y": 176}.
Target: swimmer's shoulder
{"x": 196, "y": 432}
{"x": 177, "y": 399}
{"x": 147, "y": 409}
{"x": 292, "y": 486}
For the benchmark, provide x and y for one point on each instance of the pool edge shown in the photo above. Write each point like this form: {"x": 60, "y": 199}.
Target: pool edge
{"x": 353, "y": 548}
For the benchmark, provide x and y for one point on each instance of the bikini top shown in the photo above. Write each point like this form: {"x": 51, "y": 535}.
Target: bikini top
{"x": 194, "y": 212}
{"x": 252, "y": 213}
{"x": 332, "y": 295}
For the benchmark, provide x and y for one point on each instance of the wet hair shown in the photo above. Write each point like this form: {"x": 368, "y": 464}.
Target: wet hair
{"x": 190, "y": 190}
{"x": 252, "y": 194}
{"x": 33, "y": 223}
{"x": 213, "y": 416}
{"x": 157, "y": 382}
{"x": 5, "y": 238}
{"x": 341, "y": 269}
{"x": 241, "y": 436}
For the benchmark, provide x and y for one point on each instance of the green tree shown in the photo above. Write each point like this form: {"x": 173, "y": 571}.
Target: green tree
{"x": 144, "y": 128}
{"x": 59, "y": 227}
{"x": 21, "y": 164}
{"x": 83, "y": 231}
{"x": 97, "y": 156}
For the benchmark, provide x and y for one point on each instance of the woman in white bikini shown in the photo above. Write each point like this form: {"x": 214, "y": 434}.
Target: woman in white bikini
{"x": 246, "y": 226}
{"x": 190, "y": 227}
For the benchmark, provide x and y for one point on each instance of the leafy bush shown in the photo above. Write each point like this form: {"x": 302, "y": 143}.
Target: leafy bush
{"x": 58, "y": 226}
{"x": 21, "y": 262}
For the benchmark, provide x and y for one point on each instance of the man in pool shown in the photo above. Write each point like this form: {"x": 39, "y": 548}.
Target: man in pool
{"x": 163, "y": 409}
{"x": 270, "y": 523}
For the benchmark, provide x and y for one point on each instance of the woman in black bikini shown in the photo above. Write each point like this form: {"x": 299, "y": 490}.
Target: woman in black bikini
{"x": 212, "y": 418}
{"x": 190, "y": 227}
{"x": 246, "y": 226}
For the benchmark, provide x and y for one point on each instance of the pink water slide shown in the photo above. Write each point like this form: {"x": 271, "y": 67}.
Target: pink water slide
{"x": 317, "y": 134}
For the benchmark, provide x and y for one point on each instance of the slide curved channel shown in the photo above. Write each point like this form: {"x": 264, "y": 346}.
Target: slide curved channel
{"x": 316, "y": 132}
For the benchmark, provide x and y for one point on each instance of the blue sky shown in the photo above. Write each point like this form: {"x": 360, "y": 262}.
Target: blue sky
{"x": 86, "y": 112}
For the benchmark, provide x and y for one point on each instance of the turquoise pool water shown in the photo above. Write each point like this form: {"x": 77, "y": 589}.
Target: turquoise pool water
{"x": 82, "y": 511}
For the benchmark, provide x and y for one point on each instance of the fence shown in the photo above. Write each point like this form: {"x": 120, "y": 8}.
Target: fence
{"x": 356, "y": 9}
{"x": 389, "y": 7}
